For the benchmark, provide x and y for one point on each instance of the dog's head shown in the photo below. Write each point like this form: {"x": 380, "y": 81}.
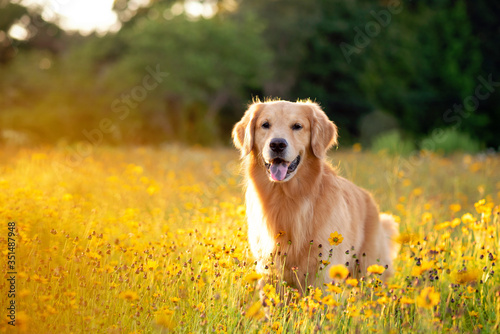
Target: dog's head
{"x": 283, "y": 135}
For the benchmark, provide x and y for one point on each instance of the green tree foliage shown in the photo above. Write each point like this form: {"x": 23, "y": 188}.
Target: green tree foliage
{"x": 411, "y": 62}
{"x": 203, "y": 67}
{"x": 416, "y": 63}
{"x": 211, "y": 63}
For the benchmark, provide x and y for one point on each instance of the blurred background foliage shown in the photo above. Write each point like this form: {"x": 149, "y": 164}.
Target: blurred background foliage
{"x": 408, "y": 68}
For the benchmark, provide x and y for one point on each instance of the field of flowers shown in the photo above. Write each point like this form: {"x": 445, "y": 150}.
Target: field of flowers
{"x": 153, "y": 240}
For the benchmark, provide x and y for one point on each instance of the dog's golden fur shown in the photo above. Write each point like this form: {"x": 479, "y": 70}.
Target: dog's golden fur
{"x": 295, "y": 216}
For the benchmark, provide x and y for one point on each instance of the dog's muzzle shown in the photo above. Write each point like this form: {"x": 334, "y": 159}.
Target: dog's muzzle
{"x": 280, "y": 169}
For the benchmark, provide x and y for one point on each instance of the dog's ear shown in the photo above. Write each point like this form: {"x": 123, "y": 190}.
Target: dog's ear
{"x": 244, "y": 130}
{"x": 323, "y": 132}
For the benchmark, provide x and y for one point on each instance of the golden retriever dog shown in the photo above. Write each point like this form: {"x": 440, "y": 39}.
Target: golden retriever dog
{"x": 295, "y": 200}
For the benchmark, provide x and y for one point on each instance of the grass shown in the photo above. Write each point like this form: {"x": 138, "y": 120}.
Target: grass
{"x": 145, "y": 240}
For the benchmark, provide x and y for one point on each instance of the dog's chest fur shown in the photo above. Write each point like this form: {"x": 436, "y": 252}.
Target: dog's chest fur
{"x": 297, "y": 219}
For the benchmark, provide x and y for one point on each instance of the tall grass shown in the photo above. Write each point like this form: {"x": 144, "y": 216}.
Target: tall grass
{"x": 149, "y": 240}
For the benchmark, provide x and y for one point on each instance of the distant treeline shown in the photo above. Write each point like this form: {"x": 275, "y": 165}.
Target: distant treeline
{"x": 420, "y": 68}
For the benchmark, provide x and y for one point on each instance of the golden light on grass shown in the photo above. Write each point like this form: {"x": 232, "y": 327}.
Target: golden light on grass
{"x": 144, "y": 240}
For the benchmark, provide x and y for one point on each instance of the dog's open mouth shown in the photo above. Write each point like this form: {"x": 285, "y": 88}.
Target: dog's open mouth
{"x": 280, "y": 169}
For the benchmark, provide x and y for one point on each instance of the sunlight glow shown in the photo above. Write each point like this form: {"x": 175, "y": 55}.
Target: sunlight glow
{"x": 85, "y": 16}
{"x": 195, "y": 9}
{"x": 19, "y": 32}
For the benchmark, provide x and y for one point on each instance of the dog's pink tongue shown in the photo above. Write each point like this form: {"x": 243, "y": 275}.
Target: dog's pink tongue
{"x": 278, "y": 170}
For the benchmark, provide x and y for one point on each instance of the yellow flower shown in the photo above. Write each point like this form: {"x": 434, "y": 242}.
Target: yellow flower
{"x": 24, "y": 292}
{"x": 480, "y": 205}
{"x": 221, "y": 329}
{"x": 317, "y": 294}
{"x": 329, "y": 301}
{"x": 129, "y": 295}
{"x": 280, "y": 233}
{"x": 338, "y": 271}
{"x": 455, "y": 207}
{"x": 270, "y": 292}
{"x": 22, "y": 321}
{"x": 445, "y": 235}
{"x": 417, "y": 191}
{"x": 442, "y": 225}
{"x": 353, "y": 311}
{"x": 400, "y": 207}
{"x": 428, "y": 298}
{"x": 426, "y": 217}
{"x": 466, "y": 276}
{"x": 455, "y": 222}
{"x": 67, "y": 197}
{"x": 252, "y": 277}
{"x": 276, "y": 327}
{"x": 200, "y": 307}
{"x": 152, "y": 190}
{"x": 407, "y": 238}
{"x": 39, "y": 279}
{"x": 255, "y": 311}
{"x": 375, "y": 269}
{"x": 383, "y": 300}
{"x": 335, "y": 238}
{"x": 406, "y": 300}
{"x": 418, "y": 270}
{"x": 151, "y": 265}
{"x": 165, "y": 320}
{"x": 51, "y": 309}
{"x": 473, "y": 314}
{"x": 352, "y": 282}
{"x": 333, "y": 288}
{"x": 468, "y": 218}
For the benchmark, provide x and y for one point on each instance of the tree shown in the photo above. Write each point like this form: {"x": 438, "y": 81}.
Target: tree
{"x": 211, "y": 64}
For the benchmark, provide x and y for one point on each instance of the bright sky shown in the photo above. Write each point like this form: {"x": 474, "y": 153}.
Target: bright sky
{"x": 83, "y": 15}
{"x": 87, "y": 16}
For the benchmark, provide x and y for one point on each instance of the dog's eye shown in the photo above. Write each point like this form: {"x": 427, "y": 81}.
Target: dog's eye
{"x": 296, "y": 126}
{"x": 266, "y": 125}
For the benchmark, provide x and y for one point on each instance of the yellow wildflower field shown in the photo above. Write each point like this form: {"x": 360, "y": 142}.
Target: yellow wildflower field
{"x": 153, "y": 240}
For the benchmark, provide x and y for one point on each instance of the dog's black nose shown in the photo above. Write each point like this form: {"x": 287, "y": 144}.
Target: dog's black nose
{"x": 278, "y": 145}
